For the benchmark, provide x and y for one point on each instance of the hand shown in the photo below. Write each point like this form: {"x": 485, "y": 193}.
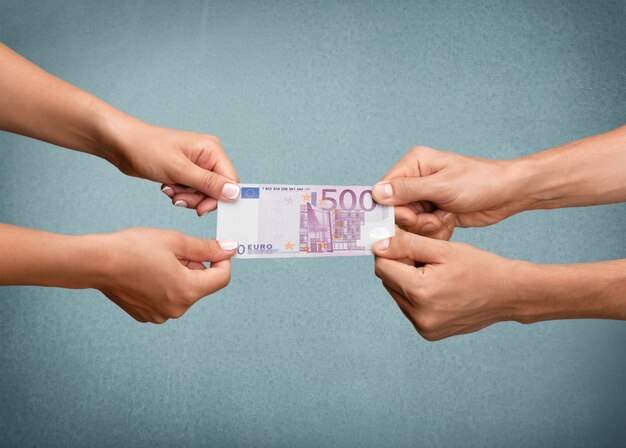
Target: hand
{"x": 460, "y": 289}
{"x": 427, "y": 183}
{"x": 193, "y": 168}
{"x": 155, "y": 275}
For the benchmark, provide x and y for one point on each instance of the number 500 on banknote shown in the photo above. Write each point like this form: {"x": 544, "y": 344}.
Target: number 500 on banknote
{"x": 273, "y": 221}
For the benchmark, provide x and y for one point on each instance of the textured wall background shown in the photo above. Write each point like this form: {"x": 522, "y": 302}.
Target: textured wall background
{"x": 312, "y": 352}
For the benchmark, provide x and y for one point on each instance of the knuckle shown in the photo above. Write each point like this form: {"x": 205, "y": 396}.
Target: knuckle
{"x": 225, "y": 280}
{"x": 427, "y": 323}
{"x": 221, "y": 281}
{"x": 176, "y": 312}
{"x": 210, "y": 181}
{"x": 419, "y": 150}
{"x": 209, "y": 246}
{"x": 177, "y": 167}
{"x": 400, "y": 187}
{"x": 415, "y": 289}
{"x": 430, "y": 337}
{"x": 175, "y": 237}
{"x": 378, "y": 270}
{"x": 212, "y": 140}
{"x": 158, "y": 319}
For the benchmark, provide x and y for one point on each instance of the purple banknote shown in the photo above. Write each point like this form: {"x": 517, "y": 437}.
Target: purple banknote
{"x": 273, "y": 221}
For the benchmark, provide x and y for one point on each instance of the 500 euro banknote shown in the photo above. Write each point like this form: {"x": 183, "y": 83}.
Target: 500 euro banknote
{"x": 274, "y": 221}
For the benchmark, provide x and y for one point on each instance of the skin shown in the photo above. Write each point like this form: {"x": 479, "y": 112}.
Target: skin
{"x": 462, "y": 289}
{"x": 151, "y": 274}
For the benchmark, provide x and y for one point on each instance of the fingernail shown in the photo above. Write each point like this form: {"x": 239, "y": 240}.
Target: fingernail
{"x": 447, "y": 217}
{"x": 230, "y": 191}
{"x": 180, "y": 204}
{"x": 383, "y": 191}
{"x": 228, "y": 245}
{"x": 168, "y": 191}
{"x": 429, "y": 227}
{"x": 205, "y": 213}
{"x": 382, "y": 244}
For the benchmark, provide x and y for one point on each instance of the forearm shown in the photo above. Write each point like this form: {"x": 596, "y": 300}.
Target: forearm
{"x": 37, "y": 104}
{"x": 590, "y": 171}
{"x": 547, "y": 292}
{"x": 32, "y": 257}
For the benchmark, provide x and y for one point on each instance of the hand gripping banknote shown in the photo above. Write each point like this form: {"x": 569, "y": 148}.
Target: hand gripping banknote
{"x": 274, "y": 221}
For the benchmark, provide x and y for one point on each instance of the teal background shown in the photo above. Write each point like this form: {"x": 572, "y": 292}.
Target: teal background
{"x": 312, "y": 352}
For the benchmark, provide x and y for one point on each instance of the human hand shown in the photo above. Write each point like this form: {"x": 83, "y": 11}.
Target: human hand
{"x": 460, "y": 289}
{"x": 426, "y": 183}
{"x": 193, "y": 168}
{"x": 155, "y": 275}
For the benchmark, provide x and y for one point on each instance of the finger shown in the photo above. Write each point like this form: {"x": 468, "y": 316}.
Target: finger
{"x": 409, "y": 245}
{"x": 456, "y": 330}
{"x": 135, "y": 314}
{"x": 225, "y": 167}
{"x": 438, "y": 225}
{"x": 404, "y": 305}
{"x": 449, "y": 221}
{"x": 425, "y": 224}
{"x": 209, "y": 281}
{"x": 172, "y": 189}
{"x": 216, "y": 160}
{"x": 406, "y": 190}
{"x": 397, "y": 275}
{"x": 187, "y": 200}
{"x": 196, "y": 265}
{"x": 420, "y": 161}
{"x": 208, "y": 182}
{"x": 202, "y": 249}
{"x": 402, "y": 301}
{"x": 206, "y": 205}
{"x": 407, "y": 166}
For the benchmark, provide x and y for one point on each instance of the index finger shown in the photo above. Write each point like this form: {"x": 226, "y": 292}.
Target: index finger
{"x": 408, "y": 245}
{"x": 222, "y": 164}
{"x": 208, "y": 281}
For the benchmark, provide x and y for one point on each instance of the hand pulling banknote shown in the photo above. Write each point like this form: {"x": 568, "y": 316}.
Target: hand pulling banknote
{"x": 275, "y": 221}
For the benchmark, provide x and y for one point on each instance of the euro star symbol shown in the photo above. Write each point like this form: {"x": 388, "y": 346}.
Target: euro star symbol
{"x": 305, "y": 249}
{"x": 323, "y": 202}
{"x": 306, "y": 197}
{"x": 289, "y": 200}
{"x": 289, "y": 245}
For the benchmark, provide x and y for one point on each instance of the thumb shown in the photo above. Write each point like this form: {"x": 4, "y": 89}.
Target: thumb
{"x": 408, "y": 245}
{"x": 211, "y": 184}
{"x": 202, "y": 249}
{"x": 406, "y": 190}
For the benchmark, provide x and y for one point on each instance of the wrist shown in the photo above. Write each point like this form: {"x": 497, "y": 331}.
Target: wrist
{"x": 525, "y": 182}
{"x": 576, "y": 291}
{"x": 82, "y": 262}
{"x": 113, "y": 134}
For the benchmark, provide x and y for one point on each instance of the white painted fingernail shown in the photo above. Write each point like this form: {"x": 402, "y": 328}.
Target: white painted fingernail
{"x": 382, "y": 244}
{"x": 180, "y": 204}
{"x": 168, "y": 191}
{"x": 228, "y": 244}
{"x": 384, "y": 191}
{"x": 230, "y": 191}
